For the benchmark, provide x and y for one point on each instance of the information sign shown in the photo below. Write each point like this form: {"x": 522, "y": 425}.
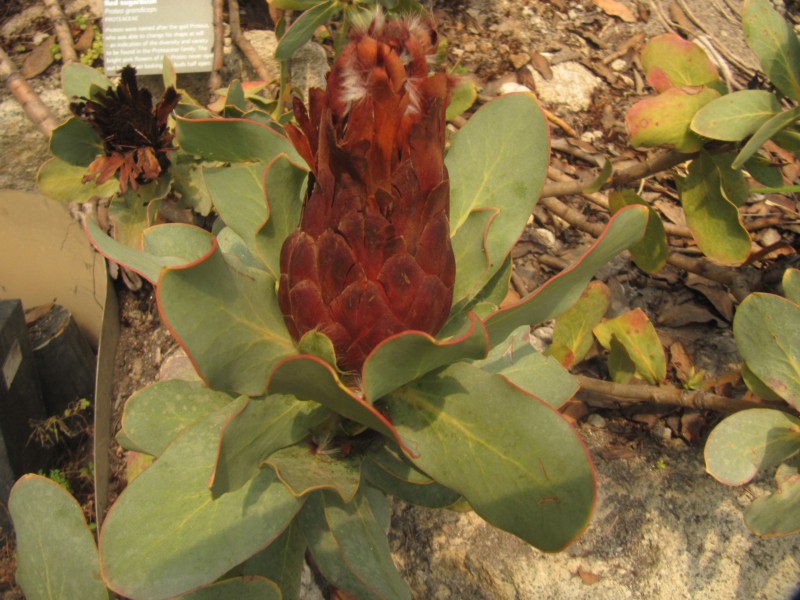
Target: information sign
{"x": 142, "y": 32}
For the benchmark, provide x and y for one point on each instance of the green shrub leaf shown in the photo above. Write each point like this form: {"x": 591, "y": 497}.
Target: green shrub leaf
{"x": 497, "y": 165}
{"x": 529, "y": 474}
{"x": 241, "y": 588}
{"x": 775, "y": 43}
{"x": 233, "y": 140}
{"x": 767, "y": 332}
{"x": 778, "y": 513}
{"x": 715, "y": 222}
{"x": 164, "y": 534}
{"x": 735, "y": 116}
{"x": 302, "y": 30}
{"x": 562, "y": 291}
{"x": 649, "y": 254}
{"x": 350, "y": 547}
{"x": 157, "y": 414}
{"x": 749, "y": 441}
{"x": 634, "y": 331}
{"x": 76, "y": 142}
{"x": 56, "y": 553}
{"x": 572, "y": 335}
{"x": 304, "y": 471}
{"x": 670, "y": 61}
{"x": 62, "y": 181}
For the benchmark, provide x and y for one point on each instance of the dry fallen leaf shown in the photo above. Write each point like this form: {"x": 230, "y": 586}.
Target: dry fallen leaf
{"x": 616, "y": 9}
{"x": 39, "y": 59}
{"x": 681, "y": 361}
{"x": 588, "y": 577}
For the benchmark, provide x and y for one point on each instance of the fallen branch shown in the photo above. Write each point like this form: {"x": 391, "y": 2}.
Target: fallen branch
{"x": 673, "y": 396}
{"x": 33, "y": 106}
{"x": 244, "y": 44}
{"x": 63, "y": 32}
{"x": 215, "y": 79}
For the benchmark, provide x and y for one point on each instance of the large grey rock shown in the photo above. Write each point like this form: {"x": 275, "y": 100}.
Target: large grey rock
{"x": 571, "y": 87}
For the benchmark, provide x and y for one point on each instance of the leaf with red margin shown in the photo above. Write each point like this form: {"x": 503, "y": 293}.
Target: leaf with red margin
{"x": 671, "y": 61}
{"x": 409, "y": 355}
{"x": 228, "y": 322}
{"x": 166, "y": 246}
{"x": 513, "y": 457}
{"x": 233, "y": 140}
{"x": 558, "y": 293}
{"x": 307, "y": 377}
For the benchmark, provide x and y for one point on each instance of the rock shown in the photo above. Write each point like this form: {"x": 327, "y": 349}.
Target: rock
{"x": 544, "y": 237}
{"x": 571, "y": 87}
{"x": 308, "y": 67}
{"x": 519, "y": 60}
{"x": 596, "y": 420}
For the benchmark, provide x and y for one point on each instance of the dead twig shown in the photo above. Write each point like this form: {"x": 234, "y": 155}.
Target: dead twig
{"x": 244, "y": 44}
{"x": 63, "y": 32}
{"x": 673, "y": 396}
{"x": 215, "y": 79}
{"x": 33, "y": 106}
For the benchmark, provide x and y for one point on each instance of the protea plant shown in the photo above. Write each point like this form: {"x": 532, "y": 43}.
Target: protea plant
{"x": 372, "y": 255}
{"x": 135, "y": 134}
{"x": 274, "y": 452}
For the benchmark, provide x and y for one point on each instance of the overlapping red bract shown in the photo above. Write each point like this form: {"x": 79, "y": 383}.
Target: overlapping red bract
{"x": 372, "y": 255}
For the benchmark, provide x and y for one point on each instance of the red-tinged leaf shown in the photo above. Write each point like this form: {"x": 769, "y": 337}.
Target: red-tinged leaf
{"x": 303, "y": 470}
{"x": 572, "y": 335}
{"x": 634, "y": 331}
{"x": 409, "y": 355}
{"x": 671, "y": 61}
{"x": 560, "y": 292}
{"x": 310, "y": 378}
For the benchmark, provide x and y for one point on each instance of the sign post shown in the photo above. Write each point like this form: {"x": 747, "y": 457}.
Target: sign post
{"x": 142, "y": 32}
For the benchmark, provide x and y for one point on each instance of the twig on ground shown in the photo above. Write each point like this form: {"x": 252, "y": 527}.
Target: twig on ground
{"x": 636, "y": 394}
{"x": 662, "y": 161}
{"x": 215, "y": 79}
{"x": 63, "y": 32}
{"x": 244, "y": 44}
{"x": 33, "y": 106}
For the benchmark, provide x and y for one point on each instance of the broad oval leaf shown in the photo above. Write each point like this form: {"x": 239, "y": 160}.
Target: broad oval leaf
{"x": 164, "y": 534}
{"x": 749, "y": 441}
{"x": 282, "y": 562}
{"x": 513, "y": 458}
{"x": 232, "y": 140}
{"x": 409, "y": 355}
{"x": 350, "y": 548}
{"x": 770, "y": 128}
{"x": 557, "y": 294}
{"x": 714, "y": 220}
{"x": 310, "y": 378}
{"x": 735, "y": 116}
{"x": 304, "y": 470}
{"x": 634, "y": 331}
{"x": 76, "y": 142}
{"x": 778, "y": 513}
{"x": 497, "y": 163}
{"x": 664, "y": 120}
{"x": 670, "y": 61}
{"x": 228, "y": 322}
{"x": 261, "y": 427}
{"x": 62, "y": 181}
{"x": 157, "y": 414}
{"x": 56, "y": 553}
{"x": 775, "y": 43}
{"x": 82, "y": 81}
{"x": 521, "y": 365}
{"x": 791, "y": 285}
{"x": 767, "y": 332}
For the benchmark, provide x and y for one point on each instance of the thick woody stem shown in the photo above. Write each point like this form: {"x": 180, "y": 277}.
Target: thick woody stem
{"x": 36, "y": 110}
{"x": 244, "y": 44}
{"x": 215, "y": 79}
{"x": 591, "y": 388}
{"x": 63, "y": 32}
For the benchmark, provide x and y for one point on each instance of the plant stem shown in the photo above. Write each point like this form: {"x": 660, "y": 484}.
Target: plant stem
{"x": 63, "y": 33}
{"x": 244, "y": 44}
{"x": 618, "y": 393}
{"x": 33, "y": 106}
{"x": 215, "y": 79}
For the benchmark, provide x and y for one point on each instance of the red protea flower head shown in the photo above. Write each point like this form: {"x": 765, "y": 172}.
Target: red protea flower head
{"x": 372, "y": 255}
{"x": 136, "y": 137}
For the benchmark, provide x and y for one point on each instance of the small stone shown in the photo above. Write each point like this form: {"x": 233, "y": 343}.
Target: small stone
{"x": 619, "y": 65}
{"x": 596, "y": 420}
{"x": 511, "y": 87}
{"x": 470, "y": 47}
{"x": 661, "y": 432}
{"x": 519, "y": 60}
{"x": 544, "y": 237}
